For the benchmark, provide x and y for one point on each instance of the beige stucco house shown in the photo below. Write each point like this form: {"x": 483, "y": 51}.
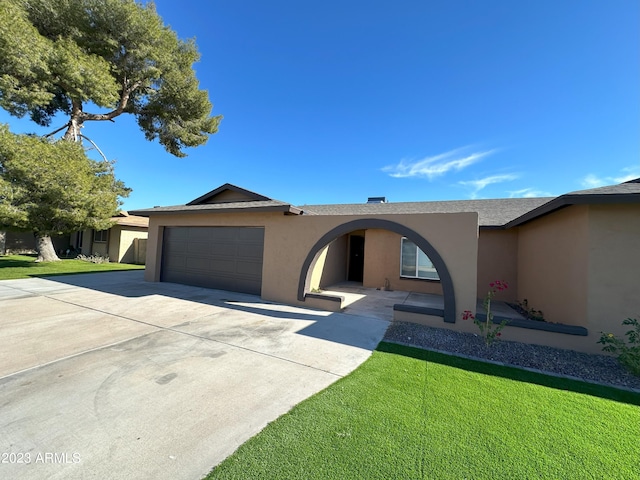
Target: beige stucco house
{"x": 576, "y": 257}
{"x": 124, "y": 242}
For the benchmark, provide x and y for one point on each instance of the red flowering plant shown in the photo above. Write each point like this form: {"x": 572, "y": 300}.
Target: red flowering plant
{"x": 488, "y": 330}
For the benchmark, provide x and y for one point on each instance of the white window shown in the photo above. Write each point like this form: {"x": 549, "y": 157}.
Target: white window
{"x": 100, "y": 236}
{"x": 414, "y": 263}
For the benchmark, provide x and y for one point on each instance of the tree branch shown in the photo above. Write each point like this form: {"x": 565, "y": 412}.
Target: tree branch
{"x": 56, "y": 131}
{"x": 122, "y": 104}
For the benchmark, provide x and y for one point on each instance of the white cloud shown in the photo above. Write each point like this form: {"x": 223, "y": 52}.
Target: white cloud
{"x": 437, "y": 165}
{"x": 478, "y": 185}
{"x": 529, "y": 193}
{"x": 626, "y": 174}
{"x": 592, "y": 181}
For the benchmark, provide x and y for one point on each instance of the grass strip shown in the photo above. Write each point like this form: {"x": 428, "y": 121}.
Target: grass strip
{"x": 408, "y": 413}
{"x": 24, "y": 266}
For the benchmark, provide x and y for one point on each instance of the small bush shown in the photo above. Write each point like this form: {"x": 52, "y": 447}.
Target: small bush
{"x": 531, "y": 313}
{"x": 95, "y": 258}
{"x": 628, "y": 351}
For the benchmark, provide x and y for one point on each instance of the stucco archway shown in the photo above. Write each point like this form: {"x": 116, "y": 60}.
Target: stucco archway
{"x": 365, "y": 223}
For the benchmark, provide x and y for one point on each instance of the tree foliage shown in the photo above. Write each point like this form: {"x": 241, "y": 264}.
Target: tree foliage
{"x": 117, "y": 56}
{"x": 53, "y": 188}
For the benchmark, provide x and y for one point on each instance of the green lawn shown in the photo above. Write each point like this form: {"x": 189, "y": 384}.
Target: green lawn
{"x": 24, "y": 266}
{"x": 411, "y": 414}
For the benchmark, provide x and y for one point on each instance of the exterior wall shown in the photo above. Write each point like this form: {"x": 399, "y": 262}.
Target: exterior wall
{"x": 498, "y": 260}
{"x": 113, "y": 245}
{"x": 331, "y": 267}
{"x": 121, "y": 248}
{"x": 100, "y": 248}
{"x": 553, "y": 268}
{"x": 139, "y": 250}
{"x": 613, "y": 267}
{"x": 382, "y": 262}
{"x": 87, "y": 238}
{"x": 289, "y": 239}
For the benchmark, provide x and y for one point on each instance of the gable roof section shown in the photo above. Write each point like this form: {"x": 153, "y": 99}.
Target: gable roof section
{"x": 627, "y": 192}
{"x": 492, "y": 213}
{"x": 227, "y": 198}
{"x": 228, "y": 193}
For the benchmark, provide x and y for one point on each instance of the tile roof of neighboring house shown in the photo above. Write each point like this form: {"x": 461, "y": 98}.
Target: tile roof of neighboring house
{"x": 125, "y": 219}
{"x": 491, "y": 213}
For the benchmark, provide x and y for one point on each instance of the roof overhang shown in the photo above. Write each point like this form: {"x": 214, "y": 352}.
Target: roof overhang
{"x": 569, "y": 199}
{"x": 216, "y": 208}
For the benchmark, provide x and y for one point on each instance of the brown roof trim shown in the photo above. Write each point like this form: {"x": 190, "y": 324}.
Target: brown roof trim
{"x": 573, "y": 199}
{"x": 286, "y": 209}
{"x": 228, "y": 186}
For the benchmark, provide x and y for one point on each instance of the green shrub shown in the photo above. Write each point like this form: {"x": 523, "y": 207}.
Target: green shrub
{"x": 628, "y": 351}
{"x": 531, "y": 313}
{"x": 95, "y": 258}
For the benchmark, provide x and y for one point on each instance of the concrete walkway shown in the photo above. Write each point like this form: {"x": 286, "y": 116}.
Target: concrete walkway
{"x": 106, "y": 376}
{"x": 371, "y": 302}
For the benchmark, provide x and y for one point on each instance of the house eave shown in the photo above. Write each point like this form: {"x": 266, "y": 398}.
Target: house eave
{"x": 569, "y": 199}
{"x": 286, "y": 209}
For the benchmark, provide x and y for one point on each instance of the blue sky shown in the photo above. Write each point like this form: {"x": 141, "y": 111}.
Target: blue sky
{"x": 336, "y": 101}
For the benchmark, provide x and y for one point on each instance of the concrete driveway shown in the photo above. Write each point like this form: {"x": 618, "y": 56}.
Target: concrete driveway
{"x": 107, "y": 376}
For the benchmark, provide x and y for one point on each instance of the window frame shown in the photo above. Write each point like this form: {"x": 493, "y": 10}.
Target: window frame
{"x": 104, "y": 233}
{"x": 417, "y": 264}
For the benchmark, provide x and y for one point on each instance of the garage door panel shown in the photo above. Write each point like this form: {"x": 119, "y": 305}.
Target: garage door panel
{"x": 197, "y": 264}
{"x": 197, "y": 248}
{"x": 247, "y": 268}
{"x": 224, "y": 249}
{"x": 227, "y": 258}
{"x": 224, "y": 234}
{"x": 255, "y": 235}
{"x": 202, "y": 235}
{"x": 223, "y": 267}
{"x": 175, "y": 235}
{"x": 175, "y": 262}
{"x": 250, "y": 251}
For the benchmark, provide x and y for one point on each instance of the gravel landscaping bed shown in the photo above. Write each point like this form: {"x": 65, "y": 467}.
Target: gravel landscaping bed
{"x": 592, "y": 368}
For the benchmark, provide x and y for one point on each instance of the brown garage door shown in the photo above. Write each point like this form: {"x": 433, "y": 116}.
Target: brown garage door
{"x": 228, "y": 258}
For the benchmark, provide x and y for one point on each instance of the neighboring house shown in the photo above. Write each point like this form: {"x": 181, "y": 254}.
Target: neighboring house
{"x": 576, "y": 257}
{"x": 15, "y": 242}
{"x": 124, "y": 242}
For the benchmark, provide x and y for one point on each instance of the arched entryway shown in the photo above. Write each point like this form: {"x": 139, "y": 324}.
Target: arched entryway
{"x": 368, "y": 223}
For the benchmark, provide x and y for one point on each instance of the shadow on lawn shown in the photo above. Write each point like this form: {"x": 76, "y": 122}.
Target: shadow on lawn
{"x": 16, "y": 263}
{"x": 513, "y": 373}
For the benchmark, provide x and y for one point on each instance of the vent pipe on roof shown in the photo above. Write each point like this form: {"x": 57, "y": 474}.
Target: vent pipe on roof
{"x": 377, "y": 200}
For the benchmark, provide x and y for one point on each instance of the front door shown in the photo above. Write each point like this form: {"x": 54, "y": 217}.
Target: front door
{"x": 356, "y": 258}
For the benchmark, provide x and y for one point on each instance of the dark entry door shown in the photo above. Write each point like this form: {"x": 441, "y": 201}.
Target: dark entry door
{"x": 356, "y": 258}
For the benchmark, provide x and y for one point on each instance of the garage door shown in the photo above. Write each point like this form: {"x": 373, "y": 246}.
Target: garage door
{"x": 227, "y": 258}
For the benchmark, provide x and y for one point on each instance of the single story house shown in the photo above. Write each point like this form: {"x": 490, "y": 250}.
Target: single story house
{"x": 124, "y": 242}
{"x": 576, "y": 257}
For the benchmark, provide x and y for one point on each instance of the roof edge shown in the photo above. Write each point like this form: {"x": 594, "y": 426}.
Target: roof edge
{"x": 286, "y": 209}
{"x": 228, "y": 186}
{"x": 573, "y": 199}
